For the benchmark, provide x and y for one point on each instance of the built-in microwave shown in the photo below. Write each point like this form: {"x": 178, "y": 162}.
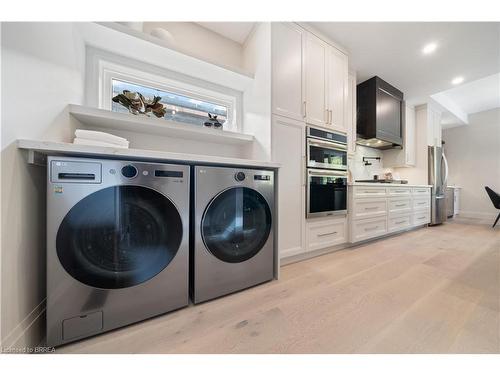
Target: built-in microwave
{"x": 326, "y": 149}
{"x": 326, "y": 192}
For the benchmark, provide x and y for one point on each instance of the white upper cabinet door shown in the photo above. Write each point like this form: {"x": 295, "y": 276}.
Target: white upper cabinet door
{"x": 410, "y": 135}
{"x": 288, "y": 149}
{"x": 337, "y": 89}
{"x": 351, "y": 114}
{"x": 315, "y": 80}
{"x": 287, "y": 70}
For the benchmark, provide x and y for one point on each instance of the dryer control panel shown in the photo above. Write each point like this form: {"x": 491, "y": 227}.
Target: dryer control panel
{"x": 63, "y": 171}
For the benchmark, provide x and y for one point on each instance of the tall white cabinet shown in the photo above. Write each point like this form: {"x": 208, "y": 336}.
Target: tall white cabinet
{"x": 288, "y": 96}
{"x": 288, "y": 149}
{"x": 309, "y": 87}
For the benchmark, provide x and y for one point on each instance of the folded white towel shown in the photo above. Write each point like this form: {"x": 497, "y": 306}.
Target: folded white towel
{"x": 101, "y": 137}
{"x": 91, "y": 142}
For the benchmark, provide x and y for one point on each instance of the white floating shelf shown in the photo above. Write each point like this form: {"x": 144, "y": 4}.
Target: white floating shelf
{"x": 101, "y": 118}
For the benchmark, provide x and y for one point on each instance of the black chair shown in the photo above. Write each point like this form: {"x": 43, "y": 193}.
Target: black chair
{"x": 495, "y": 199}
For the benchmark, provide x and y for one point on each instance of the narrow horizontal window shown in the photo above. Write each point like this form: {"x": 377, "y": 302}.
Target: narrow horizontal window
{"x": 174, "y": 106}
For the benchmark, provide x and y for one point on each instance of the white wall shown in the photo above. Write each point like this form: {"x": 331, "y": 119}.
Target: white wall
{"x": 473, "y": 153}
{"x": 257, "y": 98}
{"x": 42, "y": 70}
{"x": 359, "y": 171}
{"x": 202, "y": 42}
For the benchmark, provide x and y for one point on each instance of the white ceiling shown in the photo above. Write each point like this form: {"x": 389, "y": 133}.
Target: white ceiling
{"x": 477, "y": 96}
{"x": 392, "y": 50}
{"x": 236, "y": 31}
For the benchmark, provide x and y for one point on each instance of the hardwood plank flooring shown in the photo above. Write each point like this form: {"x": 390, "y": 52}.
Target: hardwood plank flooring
{"x": 432, "y": 290}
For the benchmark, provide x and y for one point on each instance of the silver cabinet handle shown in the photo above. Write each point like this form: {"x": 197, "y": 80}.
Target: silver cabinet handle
{"x": 400, "y": 222}
{"x": 305, "y": 109}
{"x": 371, "y": 208}
{"x": 420, "y": 218}
{"x": 401, "y": 205}
{"x": 326, "y": 234}
{"x": 331, "y": 117}
{"x": 371, "y": 228}
{"x": 327, "y": 121}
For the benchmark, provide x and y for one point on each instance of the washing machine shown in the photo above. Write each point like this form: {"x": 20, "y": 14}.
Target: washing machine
{"x": 117, "y": 244}
{"x": 232, "y": 245}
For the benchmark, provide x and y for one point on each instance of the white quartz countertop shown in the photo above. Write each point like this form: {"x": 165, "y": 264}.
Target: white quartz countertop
{"x": 385, "y": 184}
{"x": 70, "y": 149}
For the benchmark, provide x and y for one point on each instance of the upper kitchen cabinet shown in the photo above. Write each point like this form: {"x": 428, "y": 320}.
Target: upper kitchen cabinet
{"x": 309, "y": 78}
{"x": 287, "y": 70}
{"x": 315, "y": 59}
{"x": 406, "y": 157}
{"x": 326, "y": 82}
{"x": 337, "y": 89}
{"x": 351, "y": 114}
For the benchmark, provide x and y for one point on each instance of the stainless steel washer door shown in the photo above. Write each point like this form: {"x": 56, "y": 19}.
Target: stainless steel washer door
{"x": 236, "y": 224}
{"x": 119, "y": 237}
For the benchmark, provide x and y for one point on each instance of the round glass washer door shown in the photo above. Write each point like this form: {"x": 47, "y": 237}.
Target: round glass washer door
{"x": 236, "y": 224}
{"x": 119, "y": 237}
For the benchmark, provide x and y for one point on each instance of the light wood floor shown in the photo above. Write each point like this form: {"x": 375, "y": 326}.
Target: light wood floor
{"x": 433, "y": 290}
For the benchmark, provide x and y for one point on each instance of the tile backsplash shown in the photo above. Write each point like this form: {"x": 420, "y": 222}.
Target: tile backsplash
{"x": 358, "y": 170}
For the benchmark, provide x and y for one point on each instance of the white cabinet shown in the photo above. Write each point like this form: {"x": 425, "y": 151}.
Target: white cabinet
{"x": 377, "y": 210}
{"x": 351, "y": 114}
{"x": 315, "y": 62}
{"x": 433, "y": 127}
{"x": 456, "y": 201}
{"x": 323, "y": 233}
{"x": 326, "y": 84}
{"x": 287, "y": 70}
{"x": 337, "y": 89}
{"x": 406, "y": 157}
{"x": 288, "y": 148}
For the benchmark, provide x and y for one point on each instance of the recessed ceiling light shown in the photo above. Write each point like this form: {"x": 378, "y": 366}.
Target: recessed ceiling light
{"x": 457, "y": 80}
{"x": 429, "y": 48}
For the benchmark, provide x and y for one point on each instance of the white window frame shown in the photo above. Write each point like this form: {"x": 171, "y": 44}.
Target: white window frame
{"x": 102, "y": 69}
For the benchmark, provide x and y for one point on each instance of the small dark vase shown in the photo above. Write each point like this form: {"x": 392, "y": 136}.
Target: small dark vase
{"x": 212, "y": 121}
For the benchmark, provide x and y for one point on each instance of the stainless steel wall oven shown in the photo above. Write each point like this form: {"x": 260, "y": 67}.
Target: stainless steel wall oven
{"x": 326, "y": 173}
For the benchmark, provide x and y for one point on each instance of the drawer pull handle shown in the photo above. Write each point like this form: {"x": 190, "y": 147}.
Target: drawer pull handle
{"x": 422, "y": 203}
{"x": 400, "y": 191}
{"x": 401, "y": 205}
{"x": 420, "y": 218}
{"x": 401, "y": 222}
{"x": 371, "y": 228}
{"x": 371, "y": 208}
{"x": 326, "y": 234}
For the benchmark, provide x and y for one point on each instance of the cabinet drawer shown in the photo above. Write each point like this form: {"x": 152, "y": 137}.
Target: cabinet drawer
{"x": 368, "y": 228}
{"x": 369, "y": 207}
{"x": 421, "y": 191}
{"x": 399, "y": 191}
{"x": 399, "y": 205}
{"x": 422, "y": 217}
{"x": 399, "y": 222}
{"x": 326, "y": 233}
{"x": 369, "y": 191}
{"x": 421, "y": 203}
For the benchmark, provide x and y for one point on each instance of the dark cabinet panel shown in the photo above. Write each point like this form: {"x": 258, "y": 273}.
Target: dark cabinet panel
{"x": 380, "y": 114}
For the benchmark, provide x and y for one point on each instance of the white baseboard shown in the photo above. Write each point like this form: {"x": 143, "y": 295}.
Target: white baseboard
{"x": 481, "y": 215}
{"x": 29, "y": 332}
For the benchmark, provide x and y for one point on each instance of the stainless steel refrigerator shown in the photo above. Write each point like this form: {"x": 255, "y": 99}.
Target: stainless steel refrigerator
{"x": 438, "y": 177}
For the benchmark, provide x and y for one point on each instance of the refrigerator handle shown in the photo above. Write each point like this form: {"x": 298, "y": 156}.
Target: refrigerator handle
{"x": 445, "y": 182}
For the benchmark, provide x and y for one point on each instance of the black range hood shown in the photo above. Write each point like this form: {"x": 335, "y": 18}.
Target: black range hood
{"x": 380, "y": 114}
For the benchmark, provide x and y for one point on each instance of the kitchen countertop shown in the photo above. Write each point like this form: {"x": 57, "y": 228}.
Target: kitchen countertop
{"x": 385, "y": 184}
{"x": 70, "y": 149}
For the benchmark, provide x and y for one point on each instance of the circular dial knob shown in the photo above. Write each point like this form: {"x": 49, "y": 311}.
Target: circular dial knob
{"x": 240, "y": 176}
{"x": 129, "y": 171}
